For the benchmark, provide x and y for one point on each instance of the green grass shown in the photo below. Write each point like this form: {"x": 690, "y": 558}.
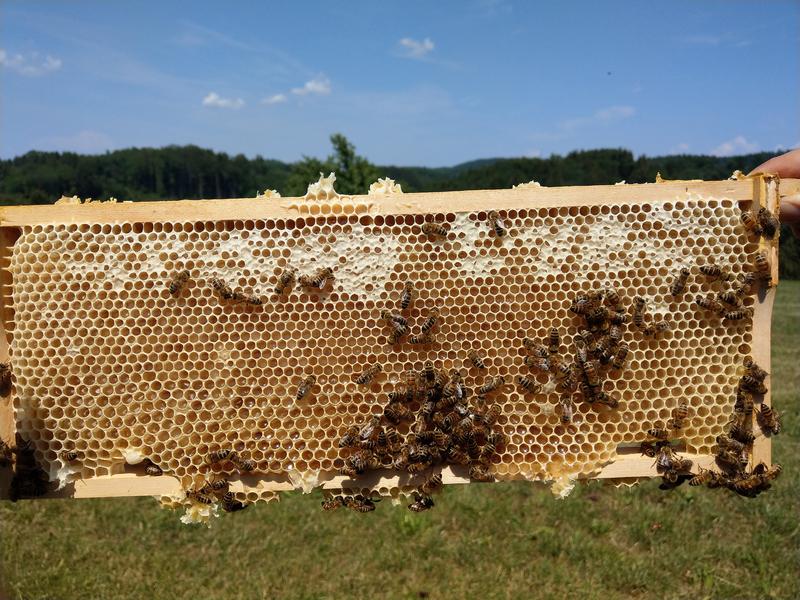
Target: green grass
{"x": 502, "y": 540}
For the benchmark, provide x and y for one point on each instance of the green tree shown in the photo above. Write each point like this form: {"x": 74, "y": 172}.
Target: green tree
{"x": 354, "y": 173}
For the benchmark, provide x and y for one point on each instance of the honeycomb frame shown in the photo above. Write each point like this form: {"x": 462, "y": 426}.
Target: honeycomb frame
{"x": 70, "y": 237}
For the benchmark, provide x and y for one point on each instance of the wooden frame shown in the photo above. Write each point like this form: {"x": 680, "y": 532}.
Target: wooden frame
{"x": 762, "y": 190}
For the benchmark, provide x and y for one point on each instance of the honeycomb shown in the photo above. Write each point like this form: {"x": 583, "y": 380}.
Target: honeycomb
{"x": 108, "y": 363}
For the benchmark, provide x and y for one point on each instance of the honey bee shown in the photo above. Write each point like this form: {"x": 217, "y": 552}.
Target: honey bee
{"x": 750, "y": 222}
{"x": 769, "y": 224}
{"x": 215, "y": 486}
{"x": 707, "y": 477}
{"x": 745, "y": 284}
{"x": 349, "y": 438}
{"x": 531, "y": 345}
{"x": 678, "y": 416}
{"x": 435, "y": 230}
{"x": 567, "y": 380}
{"x": 407, "y": 295}
{"x": 763, "y": 269}
{"x": 612, "y": 297}
{"x": 480, "y": 473}
{"x": 6, "y": 454}
{"x": 231, "y": 504}
{"x": 370, "y": 428}
{"x": 620, "y": 357}
{"x": 178, "y": 281}
{"x": 658, "y": 433}
{"x": 597, "y": 317}
{"x": 429, "y": 372}
{"x": 221, "y": 455}
{"x": 553, "y": 340}
{"x": 428, "y": 324}
{"x": 398, "y": 332}
{"x": 540, "y": 364}
{"x": 656, "y": 329}
{"x": 496, "y": 223}
{"x": 677, "y": 287}
{"x": 581, "y": 305}
{"x": 285, "y": 279}
{"x": 762, "y": 263}
{"x": 754, "y": 370}
{"x": 727, "y": 443}
{"x": 369, "y": 374}
{"x": 619, "y": 317}
{"x": 252, "y": 299}
{"x": 360, "y": 503}
{"x": 729, "y": 298}
{"x": 744, "y": 403}
{"x": 526, "y": 384}
{"x": 476, "y": 359}
{"x": 742, "y": 433}
{"x": 305, "y": 387}
{"x": 458, "y": 456}
{"x": 769, "y": 419}
{"x": 715, "y": 272}
{"x": 396, "y": 412}
{"x": 425, "y": 338}
{"x": 29, "y": 479}
{"x": 332, "y": 503}
{"x": 5, "y": 378}
{"x": 359, "y": 462}
{"x": 394, "y": 319}
{"x": 738, "y": 315}
{"x": 567, "y": 410}
{"x": 453, "y": 388}
{"x": 591, "y": 373}
{"x": 751, "y": 384}
{"x": 418, "y": 467}
{"x": 421, "y": 503}
{"x": 750, "y": 485}
{"x": 318, "y": 280}
{"x": 68, "y": 455}
{"x": 198, "y": 497}
{"x": 432, "y": 485}
{"x": 223, "y": 289}
{"x": 246, "y": 465}
{"x": 639, "y": 307}
{"x": 709, "y": 303}
{"x": 492, "y": 384}
{"x": 490, "y": 416}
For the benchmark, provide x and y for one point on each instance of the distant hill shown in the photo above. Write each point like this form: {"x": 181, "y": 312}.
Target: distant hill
{"x": 191, "y": 172}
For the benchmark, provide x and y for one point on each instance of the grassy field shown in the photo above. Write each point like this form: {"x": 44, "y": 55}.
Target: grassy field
{"x": 493, "y": 541}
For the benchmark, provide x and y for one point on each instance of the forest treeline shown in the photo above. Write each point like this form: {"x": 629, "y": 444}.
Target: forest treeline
{"x": 191, "y": 172}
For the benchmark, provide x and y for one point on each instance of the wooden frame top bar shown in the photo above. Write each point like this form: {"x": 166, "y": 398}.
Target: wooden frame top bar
{"x": 411, "y": 203}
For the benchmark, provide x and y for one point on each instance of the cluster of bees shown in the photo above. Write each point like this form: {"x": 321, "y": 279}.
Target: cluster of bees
{"x": 734, "y": 447}
{"x": 761, "y": 223}
{"x": 448, "y": 424}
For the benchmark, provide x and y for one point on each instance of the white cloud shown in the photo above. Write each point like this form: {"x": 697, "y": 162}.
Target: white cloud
{"x": 274, "y": 99}
{"x": 701, "y": 39}
{"x": 612, "y": 113}
{"x": 84, "y": 142}
{"x": 412, "y": 48}
{"x": 535, "y": 153}
{"x": 681, "y": 148}
{"x": 30, "y": 66}
{"x": 215, "y": 100}
{"x": 737, "y": 145}
{"x": 601, "y": 115}
{"x": 319, "y": 85}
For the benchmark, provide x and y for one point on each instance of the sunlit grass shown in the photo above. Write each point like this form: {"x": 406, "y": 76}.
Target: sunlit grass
{"x": 500, "y": 540}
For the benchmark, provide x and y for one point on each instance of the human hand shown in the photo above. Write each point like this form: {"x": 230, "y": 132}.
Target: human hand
{"x": 786, "y": 165}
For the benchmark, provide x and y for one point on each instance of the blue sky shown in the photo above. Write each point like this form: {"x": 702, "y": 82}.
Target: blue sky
{"x": 412, "y": 83}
